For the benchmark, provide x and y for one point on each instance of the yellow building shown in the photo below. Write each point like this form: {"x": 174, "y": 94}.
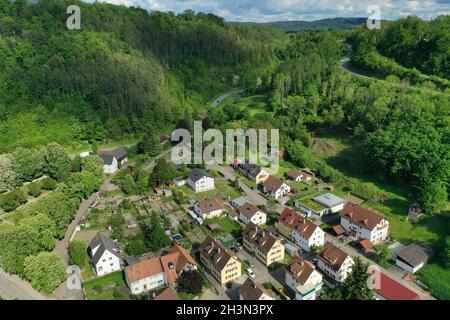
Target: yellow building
{"x": 264, "y": 245}
{"x": 222, "y": 263}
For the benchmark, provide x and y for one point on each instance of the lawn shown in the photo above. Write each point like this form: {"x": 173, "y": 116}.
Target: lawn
{"x": 310, "y": 203}
{"x": 107, "y": 284}
{"x": 222, "y": 187}
{"x": 4, "y": 227}
{"x": 228, "y": 226}
{"x": 255, "y": 104}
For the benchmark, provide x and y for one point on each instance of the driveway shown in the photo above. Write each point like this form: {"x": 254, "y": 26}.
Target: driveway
{"x": 226, "y": 95}
{"x": 252, "y": 195}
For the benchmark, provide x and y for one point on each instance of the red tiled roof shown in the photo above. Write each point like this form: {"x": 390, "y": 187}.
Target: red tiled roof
{"x": 338, "y": 229}
{"x": 168, "y": 294}
{"x": 297, "y": 222}
{"x": 393, "y": 290}
{"x": 272, "y": 184}
{"x": 332, "y": 256}
{"x": 300, "y": 270}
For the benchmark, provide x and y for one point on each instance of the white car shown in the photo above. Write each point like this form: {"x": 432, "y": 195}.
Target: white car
{"x": 251, "y": 273}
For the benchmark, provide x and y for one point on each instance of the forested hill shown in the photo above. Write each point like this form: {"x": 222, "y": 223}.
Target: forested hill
{"x": 324, "y": 24}
{"x": 125, "y": 71}
{"x": 411, "y": 43}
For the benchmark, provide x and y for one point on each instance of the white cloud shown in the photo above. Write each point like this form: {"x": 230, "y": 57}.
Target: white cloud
{"x": 276, "y": 10}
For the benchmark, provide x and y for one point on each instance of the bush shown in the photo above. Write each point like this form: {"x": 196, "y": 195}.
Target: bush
{"x": 10, "y": 201}
{"x": 34, "y": 190}
{"x": 48, "y": 184}
{"x": 98, "y": 288}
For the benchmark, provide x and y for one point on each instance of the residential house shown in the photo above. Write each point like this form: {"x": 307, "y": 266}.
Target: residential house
{"x": 297, "y": 175}
{"x": 249, "y": 213}
{"x": 221, "y": 262}
{"x": 262, "y": 244}
{"x": 238, "y": 202}
{"x": 159, "y": 271}
{"x": 362, "y": 223}
{"x": 180, "y": 181}
{"x": 110, "y": 164}
{"x": 390, "y": 289}
{"x": 104, "y": 254}
{"x": 200, "y": 180}
{"x": 412, "y": 257}
{"x": 207, "y": 208}
{"x": 334, "y": 262}
{"x": 327, "y": 203}
{"x": 254, "y": 291}
{"x": 113, "y": 160}
{"x": 300, "y": 230}
{"x": 253, "y": 171}
{"x": 275, "y": 187}
{"x": 303, "y": 278}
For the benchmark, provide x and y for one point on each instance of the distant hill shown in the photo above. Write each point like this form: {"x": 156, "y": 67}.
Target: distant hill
{"x": 330, "y": 23}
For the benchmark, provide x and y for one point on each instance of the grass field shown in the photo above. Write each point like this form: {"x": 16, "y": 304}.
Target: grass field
{"x": 107, "y": 284}
{"x": 255, "y": 104}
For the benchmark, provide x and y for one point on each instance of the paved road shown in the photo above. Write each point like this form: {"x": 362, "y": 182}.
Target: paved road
{"x": 226, "y": 95}
{"x": 152, "y": 162}
{"x": 345, "y": 65}
{"x": 252, "y": 195}
{"x": 13, "y": 287}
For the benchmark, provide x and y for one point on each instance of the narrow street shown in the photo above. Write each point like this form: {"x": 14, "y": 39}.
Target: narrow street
{"x": 13, "y": 287}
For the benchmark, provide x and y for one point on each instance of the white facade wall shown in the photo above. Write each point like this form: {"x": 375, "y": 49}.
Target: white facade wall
{"x": 112, "y": 168}
{"x": 203, "y": 184}
{"x": 282, "y": 191}
{"x": 317, "y": 239}
{"x": 108, "y": 263}
{"x": 148, "y": 283}
{"x": 338, "y": 275}
{"x": 258, "y": 218}
{"x": 209, "y": 215}
{"x": 314, "y": 281}
{"x": 376, "y": 236}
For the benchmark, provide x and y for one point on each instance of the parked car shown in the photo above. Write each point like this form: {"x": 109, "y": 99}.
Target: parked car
{"x": 238, "y": 245}
{"x": 249, "y": 263}
{"x": 251, "y": 273}
{"x": 234, "y": 249}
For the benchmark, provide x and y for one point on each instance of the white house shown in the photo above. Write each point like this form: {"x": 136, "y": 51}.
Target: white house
{"x": 253, "y": 291}
{"x": 249, "y": 213}
{"x": 159, "y": 271}
{"x": 104, "y": 254}
{"x": 334, "y": 262}
{"x": 200, "y": 180}
{"x": 110, "y": 164}
{"x": 300, "y": 230}
{"x": 253, "y": 171}
{"x": 113, "y": 160}
{"x": 327, "y": 203}
{"x": 303, "y": 278}
{"x": 207, "y": 208}
{"x": 274, "y": 187}
{"x": 364, "y": 223}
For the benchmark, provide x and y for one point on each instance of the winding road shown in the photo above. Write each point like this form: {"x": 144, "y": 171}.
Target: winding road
{"x": 219, "y": 100}
{"x": 345, "y": 65}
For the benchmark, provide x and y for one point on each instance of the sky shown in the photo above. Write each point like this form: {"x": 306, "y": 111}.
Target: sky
{"x": 285, "y": 10}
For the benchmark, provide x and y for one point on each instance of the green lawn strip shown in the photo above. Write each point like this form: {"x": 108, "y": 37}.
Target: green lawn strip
{"x": 5, "y": 227}
{"x": 107, "y": 283}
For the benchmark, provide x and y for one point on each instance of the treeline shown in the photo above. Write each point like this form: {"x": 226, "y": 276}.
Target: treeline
{"x": 125, "y": 71}
{"x": 412, "y": 49}
{"x": 24, "y": 250}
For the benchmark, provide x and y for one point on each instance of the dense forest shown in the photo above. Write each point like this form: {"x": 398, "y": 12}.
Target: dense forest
{"x": 127, "y": 70}
{"x": 409, "y": 48}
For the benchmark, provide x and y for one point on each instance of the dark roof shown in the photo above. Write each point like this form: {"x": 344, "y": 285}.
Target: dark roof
{"x": 214, "y": 251}
{"x": 107, "y": 158}
{"x": 250, "y": 168}
{"x": 413, "y": 255}
{"x": 197, "y": 174}
{"x": 105, "y": 244}
{"x": 119, "y": 153}
{"x": 261, "y": 238}
{"x": 252, "y": 290}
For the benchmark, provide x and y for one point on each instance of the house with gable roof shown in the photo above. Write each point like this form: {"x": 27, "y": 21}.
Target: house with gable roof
{"x": 302, "y": 277}
{"x": 104, "y": 254}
